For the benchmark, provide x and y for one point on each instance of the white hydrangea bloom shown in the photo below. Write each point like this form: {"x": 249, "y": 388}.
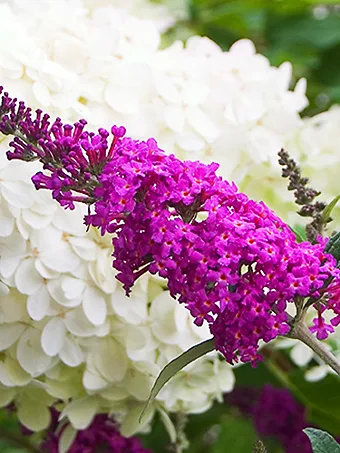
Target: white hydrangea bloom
{"x": 64, "y": 319}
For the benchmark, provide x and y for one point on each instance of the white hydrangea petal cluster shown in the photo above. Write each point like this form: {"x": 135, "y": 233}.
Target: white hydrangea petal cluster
{"x": 66, "y": 327}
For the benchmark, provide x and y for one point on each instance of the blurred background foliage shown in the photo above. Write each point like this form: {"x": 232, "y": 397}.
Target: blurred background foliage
{"x": 304, "y": 32}
{"x": 307, "y": 34}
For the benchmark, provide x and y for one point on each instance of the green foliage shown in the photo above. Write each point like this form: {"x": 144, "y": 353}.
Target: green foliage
{"x": 321, "y": 441}
{"x": 326, "y": 214}
{"x": 236, "y": 433}
{"x": 300, "y": 233}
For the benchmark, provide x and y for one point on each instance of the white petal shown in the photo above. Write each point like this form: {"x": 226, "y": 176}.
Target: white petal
{"x": 38, "y": 303}
{"x": 71, "y": 354}
{"x": 317, "y": 373}
{"x": 131, "y": 424}
{"x": 244, "y": 47}
{"x": 41, "y": 94}
{"x": 30, "y": 354}
{"x": 17, "y": 375}
{"x": 56, "y": 290}
{"x": 6, "y": 395}
{"x": 71, "y": 221}
{"x": 121, "y": 99}
{"x": 16, "y": 193}
{"x": 34, "y": 219}
{"x": 12, "y": 254}
{"x": 191, "y": 142}
{"x": 33, "y": 414}
{"x": 202, "y": 123}
{"x": 138, "y": 384}
{"x": 225, "y": 377}
{"x": 9, "y": 333}
{"x": 174, "y": 117}
{"x": 110, "y": 360}
{"x": 44, "y": 271}
{"x": 53, "y": 336}
{"x": 66, "y": 439}
{"x": 77, "y": 323}
{"x": 94, "y": 306}
{"x": 84, "y": 247}
{"x": 93, "y": 382}
{"x": 27, "y": 279}
{"x": 301, "y": 354}
{"x": 81, "y": 412}
{"x": 195, "y": 93}
{"x": 13, "y": 308}
{"x": 6, "y": 225}
{"x": 73, "y": 287}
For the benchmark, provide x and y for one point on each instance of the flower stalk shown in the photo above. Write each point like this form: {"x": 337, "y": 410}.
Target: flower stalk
{"x": 301, "y": 332}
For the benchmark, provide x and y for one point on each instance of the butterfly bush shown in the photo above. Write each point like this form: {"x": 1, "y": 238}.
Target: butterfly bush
{"x": 237, "y": 268}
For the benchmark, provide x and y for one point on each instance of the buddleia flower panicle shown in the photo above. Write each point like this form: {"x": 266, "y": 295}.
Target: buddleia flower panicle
{"x": 230, "y": 260}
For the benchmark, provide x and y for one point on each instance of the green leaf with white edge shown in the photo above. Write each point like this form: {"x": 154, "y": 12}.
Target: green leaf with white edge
{"x": 321, "y": 441}
{"x": 326, "y": 213}
{"x": 192, "y": 354}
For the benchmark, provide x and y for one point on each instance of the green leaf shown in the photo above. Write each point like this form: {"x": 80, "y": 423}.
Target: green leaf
{"x": 321, "y": 441}
{"x": 326, "y": 213}
{"x": 333, "y": 246}
{"x": 176, "y": 365}
{"x": 237, "y": 435}
{"x": 321, "y": 398}
{"x": 299, "y": 232}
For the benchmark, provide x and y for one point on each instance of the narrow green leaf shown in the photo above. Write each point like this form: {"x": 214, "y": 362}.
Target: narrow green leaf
{"x": 176, "y": 365}
{"x": 298, "y": 234}
{"x": 321, "y": 441}
{"x": 326, "y": 213}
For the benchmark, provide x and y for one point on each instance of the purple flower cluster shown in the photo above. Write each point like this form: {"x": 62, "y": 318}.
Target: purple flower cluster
{"x": 102, "y": 435}
{"x": 230, "y": 260}
{"x": 276, "y": 414}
